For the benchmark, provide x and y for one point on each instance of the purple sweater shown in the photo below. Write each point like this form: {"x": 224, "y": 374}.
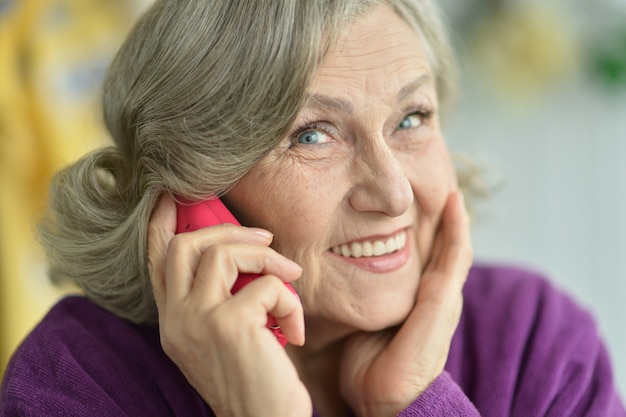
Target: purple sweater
{"x": 521, "y": 349}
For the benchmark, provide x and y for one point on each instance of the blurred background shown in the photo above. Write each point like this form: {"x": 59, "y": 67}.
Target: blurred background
{"x": 53, "y": 57}
{"x": 542, "y": 113}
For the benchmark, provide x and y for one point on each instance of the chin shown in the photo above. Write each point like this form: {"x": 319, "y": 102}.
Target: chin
{"x": 383, "y": 316}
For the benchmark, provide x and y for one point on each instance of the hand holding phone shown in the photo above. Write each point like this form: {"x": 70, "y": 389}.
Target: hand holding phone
{"x": 212, "y": 212}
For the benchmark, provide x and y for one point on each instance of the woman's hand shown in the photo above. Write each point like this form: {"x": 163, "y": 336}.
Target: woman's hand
{"x": 219, "y": 341}
{"x": 382, "y": 373}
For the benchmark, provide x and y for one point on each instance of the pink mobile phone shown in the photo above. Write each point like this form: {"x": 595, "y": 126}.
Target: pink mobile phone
{"x": 212, "y": 212}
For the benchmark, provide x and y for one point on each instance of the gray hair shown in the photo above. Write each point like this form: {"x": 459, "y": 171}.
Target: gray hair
{"x": 199, "y": 92}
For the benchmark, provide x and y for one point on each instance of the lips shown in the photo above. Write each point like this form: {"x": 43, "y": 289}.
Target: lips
{"x": 372, "y": 248}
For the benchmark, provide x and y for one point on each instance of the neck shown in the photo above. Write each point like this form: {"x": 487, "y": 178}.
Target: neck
{"x": 318, "y": 363}
{"x": 320, "y": 374}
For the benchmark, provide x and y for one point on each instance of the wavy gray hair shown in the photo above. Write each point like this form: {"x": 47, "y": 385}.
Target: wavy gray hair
{"x": 198, "y": 93}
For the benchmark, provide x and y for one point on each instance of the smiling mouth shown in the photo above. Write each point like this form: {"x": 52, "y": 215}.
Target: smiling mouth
{"x": 371, "y": 248}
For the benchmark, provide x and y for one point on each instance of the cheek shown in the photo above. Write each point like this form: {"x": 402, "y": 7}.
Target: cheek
{"x": 293, "y": 207}
{"x": 297, "y": 226}
{"x": 432, "y": 180}
{"x": 300, "y": 226}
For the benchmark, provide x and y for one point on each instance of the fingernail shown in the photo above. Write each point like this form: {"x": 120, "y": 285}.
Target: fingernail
{"x": 291, "y": 264}
{"x": 265, "y": 234}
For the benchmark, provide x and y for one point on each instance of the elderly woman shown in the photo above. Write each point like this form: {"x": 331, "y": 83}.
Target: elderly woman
{"x": 318, "y": 123}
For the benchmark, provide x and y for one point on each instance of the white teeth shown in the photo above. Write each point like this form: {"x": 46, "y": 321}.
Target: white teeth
{"x": 379, "y": 248}
{"x": 375, "y": 248}
{"x": 390, "y": 245}
{"x": 368, "y": 249}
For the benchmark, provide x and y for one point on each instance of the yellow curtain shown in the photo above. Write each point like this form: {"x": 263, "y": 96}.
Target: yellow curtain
{"x": 53, "y": 54}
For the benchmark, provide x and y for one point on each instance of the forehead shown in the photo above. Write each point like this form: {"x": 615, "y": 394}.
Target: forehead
{"x": 379, "y": 50}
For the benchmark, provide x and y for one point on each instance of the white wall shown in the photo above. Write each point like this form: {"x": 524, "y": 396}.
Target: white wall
{"x": 562, "y": 205}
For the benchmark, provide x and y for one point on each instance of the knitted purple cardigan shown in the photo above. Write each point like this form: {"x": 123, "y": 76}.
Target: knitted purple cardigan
{"x": 522, "y": 348}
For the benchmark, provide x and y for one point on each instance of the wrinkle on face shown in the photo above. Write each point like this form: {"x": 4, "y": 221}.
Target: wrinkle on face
{"x": 315, "y": 197}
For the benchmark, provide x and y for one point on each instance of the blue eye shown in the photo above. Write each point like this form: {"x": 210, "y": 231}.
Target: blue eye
{"x": 312, "y": 137}
{"x": 411, "y": 121}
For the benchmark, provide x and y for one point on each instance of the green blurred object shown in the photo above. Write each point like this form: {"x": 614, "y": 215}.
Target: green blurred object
{"x": 610, "y": 62}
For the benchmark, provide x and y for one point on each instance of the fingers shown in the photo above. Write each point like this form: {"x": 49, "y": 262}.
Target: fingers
{"x": 197, "y": 258}
{"x": 435, "y": 316}
{"x": 268, "y": 294}
{"x": 210, "y": 259}
{"x": 201, "y": 267}
{"x": 224, "y": 260}
{"x": 440, "y": 291}
{"x": 161, "y": 230}
{"x": 452, "y": 249}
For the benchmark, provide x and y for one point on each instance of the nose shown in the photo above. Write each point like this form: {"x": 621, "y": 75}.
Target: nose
{"x": 381, "y": 184}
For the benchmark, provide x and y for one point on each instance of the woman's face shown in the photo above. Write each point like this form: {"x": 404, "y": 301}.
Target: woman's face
{"x": 355, "y": 192}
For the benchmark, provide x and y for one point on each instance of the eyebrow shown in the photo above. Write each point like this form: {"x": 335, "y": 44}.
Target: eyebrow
{"x": 324, "y": 102}
{"x": 413, "y": 86}
{"x": 329, "y": 103}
